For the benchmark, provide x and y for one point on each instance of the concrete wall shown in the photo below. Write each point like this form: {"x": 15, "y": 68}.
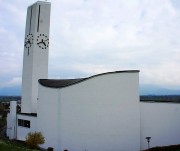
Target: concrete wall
{"x": 35, "y": 63}
{"x": 8, "y": 130}
{"x": 11, "y": 121}
{"x": 101, "y": 113}
{"x": 48, "y": 115}
{"x": 23, "y": 131}
{"x": 161, "y": 122}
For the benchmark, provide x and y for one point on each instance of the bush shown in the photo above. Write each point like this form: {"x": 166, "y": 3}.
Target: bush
{"x": 34, "y": 139}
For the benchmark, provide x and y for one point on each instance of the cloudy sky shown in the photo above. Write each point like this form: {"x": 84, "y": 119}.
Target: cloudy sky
{"x": 88, "y": 37}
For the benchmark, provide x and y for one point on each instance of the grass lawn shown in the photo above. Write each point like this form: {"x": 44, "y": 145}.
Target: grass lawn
{"x": 12, "y": 146}
{"x": 6, "y": 145}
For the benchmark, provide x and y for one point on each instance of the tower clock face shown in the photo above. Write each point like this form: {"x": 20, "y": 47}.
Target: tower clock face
{"x": 42, "y": 41}
{"x": 28, "y": 41}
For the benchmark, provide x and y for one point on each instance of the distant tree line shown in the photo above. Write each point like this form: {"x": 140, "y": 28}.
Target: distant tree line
{"x": 160, "y": 98}
{"x": 153, "y": 98}
{"x": 9, "y": 98}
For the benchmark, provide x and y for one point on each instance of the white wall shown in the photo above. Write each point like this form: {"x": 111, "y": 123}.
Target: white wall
{"x": 8, "y": 130}
{"x": 101, "y": 113}
{"x": 161, "y": 121}
{"x": 11, "y": 120}
{"x": 48, "y": 115}
{"x": 23, "y": 131}
{"x": 35, "y": 65}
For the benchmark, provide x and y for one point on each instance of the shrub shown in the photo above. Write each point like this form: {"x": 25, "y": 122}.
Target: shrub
{"x": 34, "y": 139}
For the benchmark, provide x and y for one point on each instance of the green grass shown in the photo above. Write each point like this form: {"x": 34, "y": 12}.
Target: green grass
{"x": 6, "y": 145}
{"x": 12, "y": 146}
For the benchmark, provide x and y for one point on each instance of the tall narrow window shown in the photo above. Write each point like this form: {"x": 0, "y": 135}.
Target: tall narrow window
{"x": 30, "y": 20}
{"x": 38, "y": 18}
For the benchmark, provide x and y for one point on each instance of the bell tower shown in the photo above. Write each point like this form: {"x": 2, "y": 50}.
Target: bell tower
{"x": 36, "y": 51}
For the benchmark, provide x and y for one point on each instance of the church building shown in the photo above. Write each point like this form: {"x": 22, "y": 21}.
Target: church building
{"x": 98, "y": 113}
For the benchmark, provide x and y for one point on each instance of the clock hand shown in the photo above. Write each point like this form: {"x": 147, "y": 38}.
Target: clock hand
{"x": 30, "y": 39}
{"x": 27, "y": 42}
{"x": 40, "y": 42}
{"x": 44, "y": 43}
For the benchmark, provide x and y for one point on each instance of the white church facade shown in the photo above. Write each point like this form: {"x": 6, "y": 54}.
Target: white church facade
{"x": 99, "y": 113}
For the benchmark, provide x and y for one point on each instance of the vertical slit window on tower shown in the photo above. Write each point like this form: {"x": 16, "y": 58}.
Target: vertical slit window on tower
{"x": 38, "y": 18}
{"x": 30, "y": 20}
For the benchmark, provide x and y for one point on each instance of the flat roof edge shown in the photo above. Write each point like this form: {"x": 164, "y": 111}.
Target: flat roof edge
{"x": 29, "y": 114}
{"x": 40, "y": 2}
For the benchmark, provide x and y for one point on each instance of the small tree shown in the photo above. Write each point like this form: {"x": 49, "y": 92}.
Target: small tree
{"x": 34, "y": 139}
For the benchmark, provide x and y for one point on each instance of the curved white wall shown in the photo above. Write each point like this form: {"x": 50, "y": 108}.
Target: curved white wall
{"x": 161, "y": 121}
{"x": 101, "y": 113}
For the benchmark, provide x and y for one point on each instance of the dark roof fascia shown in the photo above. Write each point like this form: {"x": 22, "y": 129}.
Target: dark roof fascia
{"x": 46, "y": 82}
{"x": 29, "y": 114}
